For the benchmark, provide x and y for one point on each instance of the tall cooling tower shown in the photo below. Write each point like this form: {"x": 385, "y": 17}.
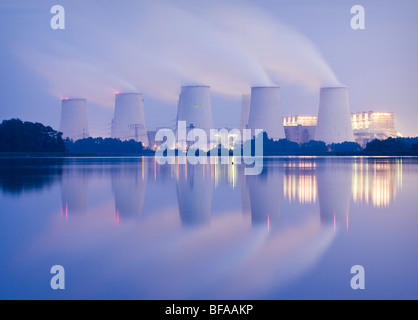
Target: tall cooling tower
{"x": 74, "y": 123}
{"x": 129, "y": 120}
{"x": 266, "y": 112}
{"x": 245, "y": 111}
{"x": 334, "y": 118}
{"x": 195, "y": 107}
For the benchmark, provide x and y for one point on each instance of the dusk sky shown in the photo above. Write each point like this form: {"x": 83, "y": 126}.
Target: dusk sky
{"x": 155, "y": 47}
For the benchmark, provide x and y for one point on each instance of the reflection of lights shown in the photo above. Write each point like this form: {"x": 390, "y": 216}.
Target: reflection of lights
{"x": 232, "y": 172}
{"x": 64, "y": 212}
{"x": 155, "y": 168}
{"x": 143, "y": 168}
{"x": 376, "y": 183}
{"x": 301, "y": 184}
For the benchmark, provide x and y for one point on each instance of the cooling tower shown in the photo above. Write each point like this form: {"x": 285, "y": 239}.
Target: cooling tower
{"x": 334, "y": 118}
{"x": 195, "y": 108}
{"x": 74, "y": 123}
{"x": 245, "y": 111}
{"x": 129, "y": 120}
{"x": 266, "y": 112}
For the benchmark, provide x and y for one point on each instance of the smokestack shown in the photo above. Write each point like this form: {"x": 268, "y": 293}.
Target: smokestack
{"x": 266, "y": 112}
{"x": 334, "y": 118}
{"x": 195, "y": 107}
{"x": 245, "y": 111}
{"x": 74, "y": 123}
{"x": 129, "y": 120}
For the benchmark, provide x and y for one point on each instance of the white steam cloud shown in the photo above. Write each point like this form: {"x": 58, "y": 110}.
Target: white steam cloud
{"x": 156, "y": 48}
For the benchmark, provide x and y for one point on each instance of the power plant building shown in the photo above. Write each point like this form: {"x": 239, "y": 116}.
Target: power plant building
{"x": 367, "y": 126}
{"x": 300, "y": 129}
{"x": 74, "y": 124}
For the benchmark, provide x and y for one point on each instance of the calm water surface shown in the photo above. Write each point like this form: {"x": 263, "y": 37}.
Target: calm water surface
{"x": 131, "y": 229}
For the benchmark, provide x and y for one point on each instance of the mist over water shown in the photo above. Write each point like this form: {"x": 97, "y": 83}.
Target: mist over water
{"x": 155, "y": 48}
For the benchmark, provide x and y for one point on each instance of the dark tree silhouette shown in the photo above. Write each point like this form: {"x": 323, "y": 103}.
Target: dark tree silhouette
{"x": 19, "y": 136}
{"x": 102, "y": 146}
{"x": 346, "y": 148}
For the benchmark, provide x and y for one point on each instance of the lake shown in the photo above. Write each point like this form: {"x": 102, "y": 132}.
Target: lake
{"x": 128, "y": 228}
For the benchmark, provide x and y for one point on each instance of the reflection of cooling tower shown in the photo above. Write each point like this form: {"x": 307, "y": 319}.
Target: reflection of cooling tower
{"x": 334, "y": 191}
{"x": 74, "y": 123}
{"x": 266, "y": 193}
{"x": 334, "y": 118}
{"x": 74, "y": 193}
{"x": 266, "y": 112}
{"x": 245, "y": 194}
{"x": 245, "y": 111}
{"x": 128, "y": 184}
{"x": 129, "y": 120}
{"x": 195, "y": 107}
{"x": 194, "y": 191}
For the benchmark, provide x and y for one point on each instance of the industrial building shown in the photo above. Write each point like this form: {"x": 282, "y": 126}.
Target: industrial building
{"x": 129, "y": 120}
{"x": 367, "y": 126}
{"x": 370, "y": 125}
{"x": 74, "y": 124}
{"x": 260, "y": 110}
{"x": 300, "y": 129}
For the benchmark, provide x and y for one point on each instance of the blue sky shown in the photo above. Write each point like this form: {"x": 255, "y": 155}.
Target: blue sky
{"x": 156, "y": 46}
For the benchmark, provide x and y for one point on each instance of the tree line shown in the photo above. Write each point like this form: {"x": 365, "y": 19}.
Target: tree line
{"x": 17, "y": 136}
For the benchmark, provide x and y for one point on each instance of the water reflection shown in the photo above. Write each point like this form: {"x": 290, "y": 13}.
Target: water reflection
{"x": 300, "y": 183}
{"x": 128, "y": 185}
{"x": 266, "y": 193}
{"x": 376, "y": 181}
{"x": 207, "y": 231}
{"x": 334, "y": 181}
{"x": 22, "y": 175}
{"x": 194, "y": 192}
{"x": 74, "y": 185}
